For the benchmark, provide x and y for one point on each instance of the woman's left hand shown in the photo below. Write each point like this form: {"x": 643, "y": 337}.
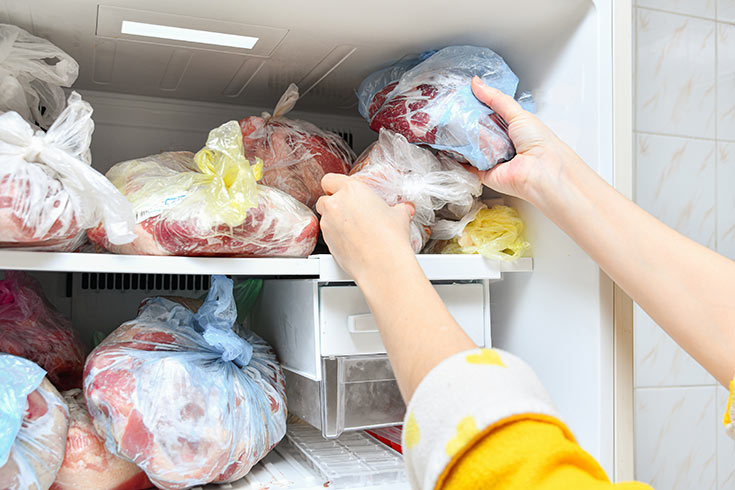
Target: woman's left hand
{"x": 363, "y": 233}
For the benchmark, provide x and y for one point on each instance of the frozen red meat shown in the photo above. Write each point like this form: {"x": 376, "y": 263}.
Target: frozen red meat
{"x": 296, "y": 154}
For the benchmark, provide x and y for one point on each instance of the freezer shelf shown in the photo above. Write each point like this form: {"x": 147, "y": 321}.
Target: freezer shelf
{"x": 323, "y": 267}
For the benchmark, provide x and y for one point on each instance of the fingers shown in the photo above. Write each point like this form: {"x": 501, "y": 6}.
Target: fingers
{"x": 407, "y": 208}
{"x": 321, "y": 204}
{"x": 331, "y": 183}
{"x": 503, "y": 104}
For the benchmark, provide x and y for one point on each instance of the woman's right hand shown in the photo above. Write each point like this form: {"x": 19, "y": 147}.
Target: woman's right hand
{"x": 542, "y": 160}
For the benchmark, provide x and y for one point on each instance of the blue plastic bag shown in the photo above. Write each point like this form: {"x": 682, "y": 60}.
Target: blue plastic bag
{"x": 183, "y": 395}
{"x": 429, "y": 101}
{"x": 33, "y": 423}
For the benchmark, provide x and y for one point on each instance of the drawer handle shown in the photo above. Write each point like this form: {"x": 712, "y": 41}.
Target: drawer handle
{"x": 362, "y": 323}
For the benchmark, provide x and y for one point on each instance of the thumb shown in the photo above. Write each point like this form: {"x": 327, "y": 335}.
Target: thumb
{"x": 503, "y": 104}
{"x": 406, "y": 208}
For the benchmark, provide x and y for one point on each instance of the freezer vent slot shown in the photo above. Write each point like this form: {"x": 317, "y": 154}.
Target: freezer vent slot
{"x": 345, "y": 134}
{"x": 99, "y": 281}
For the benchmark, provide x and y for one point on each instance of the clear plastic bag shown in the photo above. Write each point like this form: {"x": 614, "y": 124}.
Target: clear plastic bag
{"x": 401, "y": 172}
{"x": 49, "y": 193}
{"x": 32, "y": 72}
{"x": 87, "y": 464}
{"x": 33, "y": 425}
{"x": 296, "y": 154}
{"x": 429, "y": 100}
{"x": 209, "y": 204}
{"x": 495, "y": 232}
{"x": 183, "y": 396}
{"x": 32, "y": 328}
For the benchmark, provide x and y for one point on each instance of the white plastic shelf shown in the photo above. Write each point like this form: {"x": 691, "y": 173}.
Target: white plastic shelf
{"x": 323, "y": 267}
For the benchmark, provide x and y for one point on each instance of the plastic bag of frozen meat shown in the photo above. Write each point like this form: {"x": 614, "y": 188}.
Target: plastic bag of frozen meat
{"x": 33, "y": 425}
{"x": 296, "y": 154}
{"x": 32, "y": 328}
{"x": 32, "y": 72}
{"x": 49, "y": 193}
{"x": 87, "y": 464}
{"x": 183, "y": 396}
{"x": 429, "y": 101}
{"x": 209, "y": 204}
{"x": 401, "y": 172}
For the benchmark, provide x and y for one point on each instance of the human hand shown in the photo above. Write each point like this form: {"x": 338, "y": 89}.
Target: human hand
{"x": 541, "y": 160}
{"x": 363, "y": 233}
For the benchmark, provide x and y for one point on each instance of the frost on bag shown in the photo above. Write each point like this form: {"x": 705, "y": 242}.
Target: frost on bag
{"x": 33, "y": 426}
{"x": 87, "y": 464}
{"x": 401, "y": 172}
{"x": 495, "y": 232}
{"x": 295, "y": 154}
{"x": 429, "y": 101}
{"x": 184, "y": 397}
{"x": 32, "y": 328}
{"x": 209, "y": 204}
{"x": 49, "y": 193}
{"x": 32, "y": 72}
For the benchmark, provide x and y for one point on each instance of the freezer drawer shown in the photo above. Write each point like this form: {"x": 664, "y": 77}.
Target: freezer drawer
{"x": 347, "y": 327}
{"x": 305, "y": 320}
{"x": 356, "y": 392}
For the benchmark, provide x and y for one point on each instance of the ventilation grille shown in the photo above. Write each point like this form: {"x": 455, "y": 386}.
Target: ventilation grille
{"x": 346, "y": 135}
{"x": 143, "y": 282}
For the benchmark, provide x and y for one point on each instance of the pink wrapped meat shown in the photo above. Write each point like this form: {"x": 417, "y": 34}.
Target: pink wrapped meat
{"x": 87, "y": 464}
{"x": 49, "y": 193}
{"x": 400, "y": 172}
{"x": 429, "y": 101}
{"x": 296, "y": 154}
{"x": 33, "y": 426}
{"x": 209, "y": 204}
{"x": 30, "y": 327}
{"x": 183, "y": 396}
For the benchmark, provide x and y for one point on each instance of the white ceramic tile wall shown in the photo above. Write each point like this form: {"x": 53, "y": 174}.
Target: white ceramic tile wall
{"x": 684, "y": 125}
{"x": 676, "y": 438}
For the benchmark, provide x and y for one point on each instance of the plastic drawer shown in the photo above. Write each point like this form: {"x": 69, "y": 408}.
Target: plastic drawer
{"x": 347, "y": 327}
{"x": 357, "y": 392}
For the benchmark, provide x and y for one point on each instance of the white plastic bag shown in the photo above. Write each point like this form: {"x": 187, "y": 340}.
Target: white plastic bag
{"x": 401, "y": 172}
{"x": 32, "y": 72}
{"x": 49, "y": 193}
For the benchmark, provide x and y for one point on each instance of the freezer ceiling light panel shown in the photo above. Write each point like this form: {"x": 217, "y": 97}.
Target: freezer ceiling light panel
{"x": 188, "y": 35}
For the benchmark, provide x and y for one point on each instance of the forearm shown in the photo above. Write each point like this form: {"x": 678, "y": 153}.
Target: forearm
{"x": 416, "y": 328}
{"x": 685, "y": 287}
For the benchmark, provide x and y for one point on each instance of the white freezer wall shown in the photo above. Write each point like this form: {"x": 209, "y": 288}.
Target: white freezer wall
{"x": 684, "y": 131}
{"x": 559, "y": 317}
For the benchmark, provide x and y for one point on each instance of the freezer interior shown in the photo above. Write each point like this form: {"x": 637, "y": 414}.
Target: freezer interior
{"x": 152, "y": 95}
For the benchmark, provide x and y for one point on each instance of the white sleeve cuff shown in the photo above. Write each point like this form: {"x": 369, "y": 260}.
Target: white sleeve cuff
{"x": 457, "y": 400}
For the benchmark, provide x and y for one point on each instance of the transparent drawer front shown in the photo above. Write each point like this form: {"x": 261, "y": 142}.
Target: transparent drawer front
{"x": 356, "y": 392}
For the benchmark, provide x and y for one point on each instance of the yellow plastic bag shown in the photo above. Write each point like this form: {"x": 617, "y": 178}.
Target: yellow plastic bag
{"x": 220, "y": 190}
{"x": 496, "y": 232}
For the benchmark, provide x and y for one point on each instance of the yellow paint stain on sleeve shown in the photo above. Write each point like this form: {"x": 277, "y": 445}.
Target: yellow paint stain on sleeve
{"x": 411, "y": 432}
{"x": 466, "y": 430}
{"x": 486, "y": 356}
{"x": 727, "y": 420}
